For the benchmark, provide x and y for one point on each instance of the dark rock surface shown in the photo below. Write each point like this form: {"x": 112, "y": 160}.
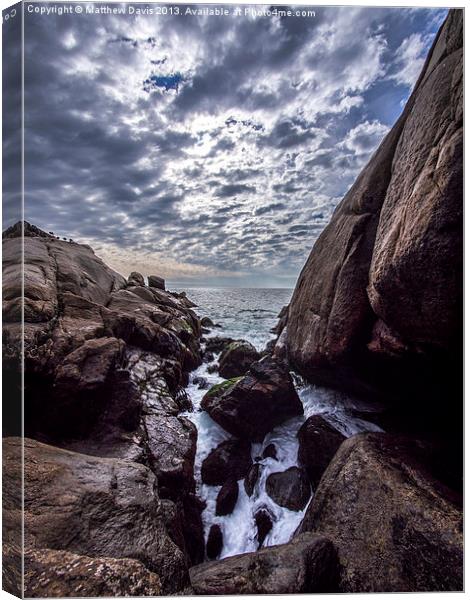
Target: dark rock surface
{"x": 230, "y": 460}
{"x": 256, "y": 403}
{"x": 207, "y": 322}
{"x": 318, "y": 443}
{"x": 394, "y": 526}
{"x": 215, "y": 542}
{"x": 156, "y": 282}
{"x": 93, "y": 507}
{"x": 227, "y": 498}
{"x": 251, "y": 478}
{"x": 264, "y": 524}
{"x": 270, "y": 451}
{"x": 217, "y": 343}
{"x": 378, "y": 302}
{"x": 290, "y": 489}
{"x": 307, "y": 564}
{"x": 237, "y": 358}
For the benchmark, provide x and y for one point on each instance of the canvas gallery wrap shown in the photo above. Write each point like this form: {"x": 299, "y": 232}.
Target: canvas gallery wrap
{"x": 232, "y": 299}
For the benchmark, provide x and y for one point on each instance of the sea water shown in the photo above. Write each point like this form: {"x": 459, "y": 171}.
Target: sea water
{"x": 250, "y": 314}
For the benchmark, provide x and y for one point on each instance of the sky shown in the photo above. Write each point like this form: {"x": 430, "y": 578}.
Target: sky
{"x": 210, "y": 150}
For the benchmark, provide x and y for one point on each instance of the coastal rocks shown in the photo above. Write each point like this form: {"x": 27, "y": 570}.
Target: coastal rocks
{"x": 95, "y": 508}
{"x": 217, "y": 344}
{"x": 58, "y": 574}
{"x": 264, "y": 524}
{"x": 215, "y": 542}
{"x": 307, "y": 564}
{"x": 270, "y": 452}
{"x": 394, "y": 526}
{"x": 251, "y": 478}
{"x": 393, "y": 252}
{"x": 171, "y": 443}
{"x": 230, "y": 460}
{"x": 227, "y": 498}
{"x": 237, "y": 358}
{"x": 135, "y": 278}
{"x": 318, "y": 443}
{"x": 290, "y": 488}
{"x": 253, "y": 405}
{"x": 156, "y": 282}
{"x": 207, "y": 322}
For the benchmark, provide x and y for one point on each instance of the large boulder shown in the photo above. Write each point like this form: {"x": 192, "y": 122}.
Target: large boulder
{"x": 215, "y": 542}
{"x": 289, "y": 488}
{"x": 307, "y": 564}
{"x": 381, "y": 290}
{"x": 395, "y": 527}
{"x": 237, "y": 358}
{"x": 253, "y": 405}
{"x": 230, "y": 460}
{"x": 318, "y": 443}
{"x": 156, "y": 282}
{"x": 93, "y": 507}
{"x": 59, "y": 574}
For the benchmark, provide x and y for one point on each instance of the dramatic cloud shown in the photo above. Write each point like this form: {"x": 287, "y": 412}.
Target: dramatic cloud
{"x": 212, "y": 150}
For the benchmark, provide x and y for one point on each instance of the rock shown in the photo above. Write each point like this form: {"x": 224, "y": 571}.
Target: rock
{"x": 251, "y": 479}
{"x": 201, "y": 383}
{"x": 318, "y": 443}
{"x": 252, "y": 406}
{"x": 217, "y": 344}
{"x": 290, "y": 488}
{"x": 270, "y": 452}
{"x": 93, "y": 507}
{"x": 227, "y": 498}
{"x": 208, "y": 357}
{"x": 237, "y": 358}
{"x": 264, "y": 524}
{"x": 394, "y": 526}
{"x": 282, "y": 321}
{"x": 156, "y": 282}
{"x": 59, "y": 574}
{"x": 172, "y": 448}
{"x": 206, "y": 322}
{"x": 392, "y": 253}
{"x": 269, "y": 349}
{"x": 136, "y": 278}
{"x": 307, "y": 564}
{"x": 212, "y": 368}
{"x": 215, "y": 542}
{"x": 230, "y": 460}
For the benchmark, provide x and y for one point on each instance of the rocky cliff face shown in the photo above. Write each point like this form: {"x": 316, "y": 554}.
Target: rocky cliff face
{"x": 106, "y": 362}
{"x": 377, "y": 307}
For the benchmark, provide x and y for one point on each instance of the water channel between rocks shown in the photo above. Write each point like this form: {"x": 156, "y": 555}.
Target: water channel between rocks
{"x": 239, "y": 528}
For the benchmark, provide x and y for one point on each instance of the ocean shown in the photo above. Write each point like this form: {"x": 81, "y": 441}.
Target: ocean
{"x": 243, "y": 313}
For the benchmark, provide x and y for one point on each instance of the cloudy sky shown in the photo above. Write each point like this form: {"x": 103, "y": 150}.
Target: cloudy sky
{"x": 210, "y": 150}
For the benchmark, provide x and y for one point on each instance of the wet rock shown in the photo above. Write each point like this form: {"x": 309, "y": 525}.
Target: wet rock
{"x": 172, "y": 448}
{"x": 217, "y": 344}
{"x": 318, "y": 443}
{"x": 264, "y": 524}
{"x": 207, "y": 322}
{"x": 212, "y": 368}
{"x": 395, "y": 527}
{"x": 252, "y": 406}
{"x": 227, "y": 498}
{"x": 93, "y": 507}
{"x": 237, "y": 358}
{"x": 270, "y": 451}
{"x": 208, "y": 357}
{"x": 215, "y": 542}
{"x": 230, "y": 460}
{"x": 59, "y": 574}
{"x": 136, "y": 278}
{"x": 282, "y": 321}
{"x": 201, "y": 383}
{"x": 269, "y": 349}
{"x": 252, "y": 478}
{"x": 307, "y": 564}
{"x": 290, "y": 488}
{"x": 156, "y": 282}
